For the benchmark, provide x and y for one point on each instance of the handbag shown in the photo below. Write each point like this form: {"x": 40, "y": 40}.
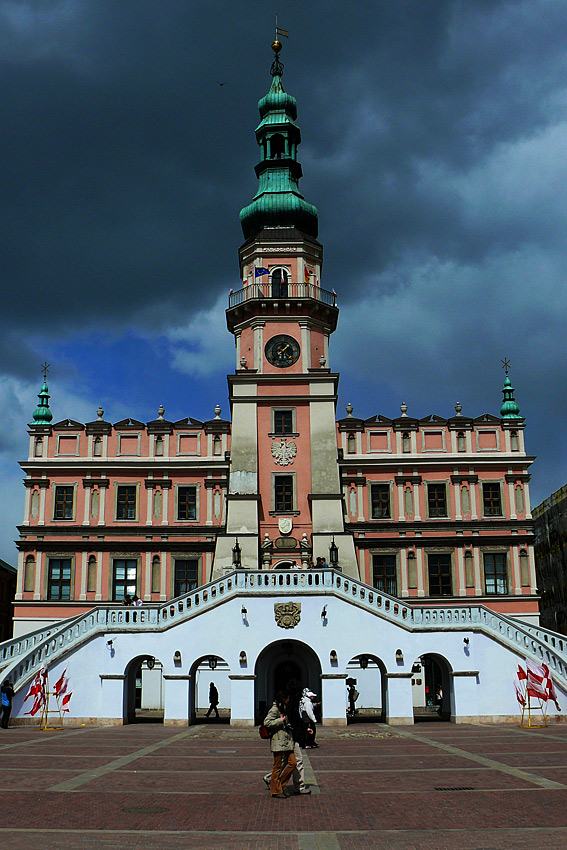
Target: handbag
{"x": 263, "y": 732}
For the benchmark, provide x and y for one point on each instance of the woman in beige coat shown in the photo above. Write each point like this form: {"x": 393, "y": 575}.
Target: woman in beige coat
{"x": 281, "y": 744}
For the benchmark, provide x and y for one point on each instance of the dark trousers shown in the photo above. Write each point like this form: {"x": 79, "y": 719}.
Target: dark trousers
{"x": 6, "y": 711}
{"x": 211, "y": 707}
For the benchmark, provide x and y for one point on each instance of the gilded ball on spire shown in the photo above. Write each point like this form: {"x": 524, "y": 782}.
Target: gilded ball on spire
{"x": 276, "y": 46}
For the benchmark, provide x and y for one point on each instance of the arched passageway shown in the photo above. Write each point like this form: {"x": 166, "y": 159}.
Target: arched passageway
{"x": 143, "y": 690}
{"x": 277, "y": 664}
{"x": 431, "y": 688}
{"x": 366, "y": 674}
{"x": 206, "y": 671}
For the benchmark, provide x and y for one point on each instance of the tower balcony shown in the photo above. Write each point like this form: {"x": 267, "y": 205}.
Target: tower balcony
{"x": 279, "y": 298}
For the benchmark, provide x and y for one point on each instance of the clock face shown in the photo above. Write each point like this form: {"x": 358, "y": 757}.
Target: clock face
{"x": 282, "y": 350}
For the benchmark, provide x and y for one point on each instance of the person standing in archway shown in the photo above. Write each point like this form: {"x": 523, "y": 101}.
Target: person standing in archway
{"x": 281, "y": 745}
{"x": 213, "y": 700}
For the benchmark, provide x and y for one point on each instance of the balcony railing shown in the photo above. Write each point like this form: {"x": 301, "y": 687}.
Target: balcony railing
{"x": 279, "y": 290}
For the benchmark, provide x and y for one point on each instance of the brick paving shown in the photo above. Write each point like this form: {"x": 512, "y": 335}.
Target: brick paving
{"x": 432, "y": 786}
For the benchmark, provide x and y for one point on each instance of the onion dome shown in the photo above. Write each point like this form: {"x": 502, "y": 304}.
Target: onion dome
{"x": 42, "y": 415}
{"x": 510, "y": 408}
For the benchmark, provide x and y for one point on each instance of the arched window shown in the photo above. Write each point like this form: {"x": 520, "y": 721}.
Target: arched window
{"x": 159, "y": 446}
{"x": 514, "y": 441}
{"x": 91, "y": 575}
{"x": 156, "y": 574}
{"x": 216, "y": 445}
{"x": 97, "y": 446}
{"x": 461, "y": 442}
{"x": 351, "y": 444}
{"x": 406, "y": 442}
{"x": 29, "y": 574}
{"x": 279, "y": 283}
{"x": 38, "y": 447}
{"x": 277, "y": 146}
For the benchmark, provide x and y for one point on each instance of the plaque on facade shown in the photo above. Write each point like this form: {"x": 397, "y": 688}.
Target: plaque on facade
{"x": 285, "y": 542}
{"x": 285, "y": 524}
{"x": 283, "y": 452}
{"x": 287, "y": 614}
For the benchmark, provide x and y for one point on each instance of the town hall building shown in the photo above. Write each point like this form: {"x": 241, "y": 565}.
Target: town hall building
{"x": 278, "y": 539}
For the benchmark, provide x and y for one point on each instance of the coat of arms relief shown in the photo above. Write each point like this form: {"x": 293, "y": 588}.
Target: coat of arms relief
{"x": 287, "y": 614}
{"x": 284, "y": 452}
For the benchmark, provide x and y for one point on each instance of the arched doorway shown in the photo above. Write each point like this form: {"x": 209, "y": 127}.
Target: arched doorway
{"x": 431, "y": 688}
{"x": 207, "y": 670}
{"x": 143, "y": 690}
{"x": 367, "y": 674}
{"x": 277, "y": 663}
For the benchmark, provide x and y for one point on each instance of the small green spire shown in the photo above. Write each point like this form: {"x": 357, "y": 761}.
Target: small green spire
{"x": 509, "y": 409}
{"x": 42, "y": 414}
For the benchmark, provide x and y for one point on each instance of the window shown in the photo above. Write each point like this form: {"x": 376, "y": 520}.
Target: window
{"x": 279, "y": 283}
{"x": 59, "y": 579}
{"x": 29, "y": 574}
{"x": 436, "y": 500}
{"x": 514, "y": 441}
{"x": 126, "y": 503}
{"x": 440, "y": 581}
{"x": 351, "y": 444}
{"x": 491, "y": 499}
{"x": 38, "y": 450}
{"x": 283, "y": 422}
{"x": 185, "y": 576}
{"x": 406, "y": 442}
{"x": 384, "y": 573}
{"x": 159, "y": 446}
{"x": 216, "y": 445}
{"x": 187, "y": 503}
{"x": 97, "y": 446}
{"x": 461, "y": 442}
{"x": 380, "y": 496}
{"x": 63, "y": 503}
{"x": 495, "y": 574}
{"x": 283, "y": 493}
{"x": 124, "y": 580}
{"x": 91, "y": 575}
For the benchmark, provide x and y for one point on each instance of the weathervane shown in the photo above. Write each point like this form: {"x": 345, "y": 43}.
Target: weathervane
{"x": 506, "y": 365}
{"x": 45, "y": 369}
{"x": 277, "y": 66}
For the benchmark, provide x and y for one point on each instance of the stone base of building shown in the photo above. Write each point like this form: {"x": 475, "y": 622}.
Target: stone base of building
{"x": 242, "y": 721}
{"x": 400, "y": 721}
{"x": 334, "y": 721}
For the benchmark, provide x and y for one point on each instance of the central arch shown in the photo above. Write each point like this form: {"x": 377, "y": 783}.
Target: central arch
{"x": 276, "y": 664}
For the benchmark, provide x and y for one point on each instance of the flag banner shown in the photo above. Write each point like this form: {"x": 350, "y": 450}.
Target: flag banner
{"x": 521, "y": 673}
{"x": 260, "y": 271}
{"x": 61, "y": 685}
{"x": 65, "y": 701}
{"x": 308, "y": 273}
{"x": 519, "y": 694}
{"x": 285, "y": 33}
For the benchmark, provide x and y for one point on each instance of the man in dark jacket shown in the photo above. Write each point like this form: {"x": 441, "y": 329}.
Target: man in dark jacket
{"x": 213, "y": 700}
{"x": 7, "y": 697}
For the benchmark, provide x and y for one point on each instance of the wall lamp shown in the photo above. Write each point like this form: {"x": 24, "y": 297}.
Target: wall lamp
{"x": 236, "y": 555}
{"x": 244, "y": 612}
{"x": 243, "y": 658}
{"x": 399, "y": 656}
{"x": 212, "y": 662}
{"x": 177, "y": 658}
{"x": 110, "y": 644}
{"x": 334, "y": 554}
{"x": 333, "y": 657}
{"x": 324, "y": 613}
{"x": 466, "y": 641}
{"x": 363, "y": 661}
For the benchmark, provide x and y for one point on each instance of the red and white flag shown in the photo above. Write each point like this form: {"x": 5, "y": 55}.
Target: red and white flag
{"x": 521, "y": 673}
{"x": 61, "y": 685}
{"x": 520, "y": 694}
{"x": 65, "y": 701}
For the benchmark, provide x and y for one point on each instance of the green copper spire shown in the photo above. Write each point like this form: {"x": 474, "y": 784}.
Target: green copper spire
{"x": 509, "y": 409}
{"x": 42, "y": 414}
{"x": 278, "y": 201}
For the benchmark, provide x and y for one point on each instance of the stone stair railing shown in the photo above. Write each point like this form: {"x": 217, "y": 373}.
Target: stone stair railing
{"x": 528, "y": 641}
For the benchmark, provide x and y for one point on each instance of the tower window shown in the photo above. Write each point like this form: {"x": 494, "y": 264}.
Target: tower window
{"x": 279, "y": 283}
{"x": 283, "y": 493}
{"x": 440, "y": 580}
{"x": 63, "y": 503}
{"x": 125, "y": 576}
{"x": 495, "y": 574}
{"x": 461, "y": 442}
{"x": 380, "y": 495}
{"x": 126, "y": 503}
{"x": 187, "y": 503}
{"x": 277, "y": 146}
{"x": 38, "y": 448}
{"x": 97, "y": 447}
{"x": 59, "y": 579}
{"x": 491, "y": 500}
{"x": 351, "y": 444}
{"x": 406, "y": 442}
{"x": 283, "y": 422}
{"x": 159, "y": 446}
{"x": 514, "y": 441}
{"x": 216, "y": 445}
{"x": 436, "y": 500}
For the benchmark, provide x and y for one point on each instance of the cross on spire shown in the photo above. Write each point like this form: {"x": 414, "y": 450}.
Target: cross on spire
{"x": 505, "y": 365}
{"x": 45, "y": 369}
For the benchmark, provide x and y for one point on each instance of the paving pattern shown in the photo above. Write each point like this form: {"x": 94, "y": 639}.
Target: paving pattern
{"x": 432, "y": 786}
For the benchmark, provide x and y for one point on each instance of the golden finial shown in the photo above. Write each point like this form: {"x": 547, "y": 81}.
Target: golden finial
{"x": 276, "y": 46}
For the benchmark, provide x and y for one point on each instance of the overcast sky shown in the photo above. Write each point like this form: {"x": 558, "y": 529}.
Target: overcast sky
{"x": 434, "y": 146}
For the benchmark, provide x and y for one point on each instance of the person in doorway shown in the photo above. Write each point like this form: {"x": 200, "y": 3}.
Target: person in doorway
{"x": 439, "y": 699}
{"x": 7, "y": 697}
{"x": 281, "y": 745}
{"x": 213, "y": 700}
{"x": 298, "y": 732}
{"x": 308, "y": 718}
{"x": 352, "y": 698}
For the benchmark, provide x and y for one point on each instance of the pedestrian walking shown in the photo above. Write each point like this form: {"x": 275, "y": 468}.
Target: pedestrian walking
{"x": 352, "y": 698}
{"x": 298, "y": 733}
{"x": 7, "y": 692}
{"x": 213, "y": 700}
{"x": 308, "y": 718}
{"x": 281, "y": 745}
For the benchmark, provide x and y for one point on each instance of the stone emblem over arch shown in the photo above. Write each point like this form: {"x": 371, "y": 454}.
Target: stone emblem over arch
{"x": 287, "y": 614}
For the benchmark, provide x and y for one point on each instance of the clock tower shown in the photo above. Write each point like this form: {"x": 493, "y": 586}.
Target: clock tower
{"x": 285, "y": 505}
